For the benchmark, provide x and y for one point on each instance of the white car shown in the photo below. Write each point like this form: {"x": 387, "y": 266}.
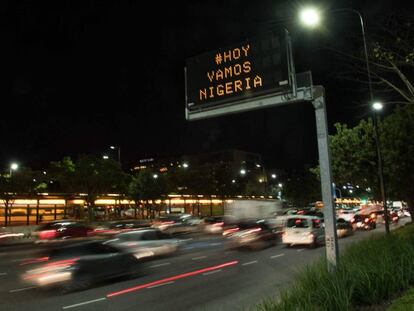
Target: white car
{"x": 302, "y": 229}
{"x": 346, "y": 214}
{"x": 144, "y": 243}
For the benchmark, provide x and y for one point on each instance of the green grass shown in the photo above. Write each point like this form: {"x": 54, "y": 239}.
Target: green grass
{"x": 368, "y": 273}
{"x": 404, "y": 303}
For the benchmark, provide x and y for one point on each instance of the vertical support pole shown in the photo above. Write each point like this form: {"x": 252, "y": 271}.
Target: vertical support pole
{"x": 28, "y": 214}
{"x": 6, "y": 204}
{"x": 37, "y": 212}
{"x": 331, "y": 239}
{"x": 381, "y": 174}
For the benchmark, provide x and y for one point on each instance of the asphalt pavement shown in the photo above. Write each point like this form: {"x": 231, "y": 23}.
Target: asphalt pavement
{"x": 204, "y": 275}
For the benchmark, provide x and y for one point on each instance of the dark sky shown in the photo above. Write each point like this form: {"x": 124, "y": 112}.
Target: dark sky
{"x": 78, "y": 76}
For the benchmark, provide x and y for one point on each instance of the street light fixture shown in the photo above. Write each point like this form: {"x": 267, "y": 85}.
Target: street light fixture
{"x": 105, "y": 157}
{"x": 13, "y": 167}
{"x": 243, "y": 172}
{"x": 119, "y": 152}
{"x": 310, "y": 17}
{"x": 377, "y": 106}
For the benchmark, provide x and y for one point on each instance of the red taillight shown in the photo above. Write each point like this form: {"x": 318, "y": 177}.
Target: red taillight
{"x": 230, "y": 231}
{"x": 65, "y": 262}
{"x": 253, "y": 230}
{"x": 218, "y": 224}
{"x": 47, "y": 234}
{"x": 35, "y": 260}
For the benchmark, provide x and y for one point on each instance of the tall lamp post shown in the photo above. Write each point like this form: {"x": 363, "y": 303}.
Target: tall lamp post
{"x": 376, "y": 107}
{"x": 311, "y": 17}
{"x": 119, "y": 152}
{"x": 13, "y": 167}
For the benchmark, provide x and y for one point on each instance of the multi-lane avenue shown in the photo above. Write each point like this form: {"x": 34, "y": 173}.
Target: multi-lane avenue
{"x": 204, "y": 275}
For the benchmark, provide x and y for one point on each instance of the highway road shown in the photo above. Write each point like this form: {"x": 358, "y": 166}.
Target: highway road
{"x": 204, "y": 275}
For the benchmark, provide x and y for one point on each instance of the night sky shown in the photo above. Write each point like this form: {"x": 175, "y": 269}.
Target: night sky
{"x": 79, "y": 76}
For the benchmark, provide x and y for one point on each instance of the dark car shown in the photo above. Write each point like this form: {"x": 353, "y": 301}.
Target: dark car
{"x": 365, "y": 221}
{"x": 344, "y": 227}
{"x": 74, "y": 266}
{"x": 254, "y": 234}
{"x": 392, "y": 216}
{"x": 213, "y": 224}
{"x": 62, "y": 229}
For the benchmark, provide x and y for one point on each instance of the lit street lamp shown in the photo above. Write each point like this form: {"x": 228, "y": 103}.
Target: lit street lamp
{"x": 105, "y": 157}
{"x": 13, "y": 167}
{"x": 377, "y": 106}
{"x": 119, "y": 152}
{"x": 243, "y": 172}
{"x": 310, "y": 17}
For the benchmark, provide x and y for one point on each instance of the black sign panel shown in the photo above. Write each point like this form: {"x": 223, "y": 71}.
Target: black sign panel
{"x": 249, "y": 69}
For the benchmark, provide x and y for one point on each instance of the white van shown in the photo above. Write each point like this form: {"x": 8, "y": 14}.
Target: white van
{"x": 302, "y": 229}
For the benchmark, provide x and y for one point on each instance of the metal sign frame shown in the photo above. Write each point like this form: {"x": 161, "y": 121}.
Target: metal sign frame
{"x": 308, "y": 93}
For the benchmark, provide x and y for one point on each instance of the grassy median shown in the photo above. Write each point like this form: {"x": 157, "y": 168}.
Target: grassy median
{"x": 370, "y": 272}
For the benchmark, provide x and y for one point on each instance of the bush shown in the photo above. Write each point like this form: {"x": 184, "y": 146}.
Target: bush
{"x": 369, "y": 272}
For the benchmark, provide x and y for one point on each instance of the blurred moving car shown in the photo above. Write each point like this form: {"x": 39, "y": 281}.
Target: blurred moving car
{"x": 116, "y": 227}
{"x": 365, "y": 222}
{"x": 252, "y": 234}
{"x": 344, "y": 227}
{"x": 303, "y": 229}
{"x": 62, "y": 229}
{"x": 75, "y": 266}
{"x": 144, "y": 243}
{"x": 177, "y": 223}
{"x": 213, "y": 225}
{"x": 7, "y": 236}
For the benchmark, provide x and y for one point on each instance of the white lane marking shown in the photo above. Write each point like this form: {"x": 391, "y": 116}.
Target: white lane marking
{"x": 212, "y": 272}
{"x": 3, "y": 273}
{"x": 162, "y": 284}
{"x": 249, "y": 263}
{"x": 199, "y": 257}
{"x": 278, "y": 255}
{"x": 160, "y": 265}
{"x": 83, "y": 303}
{"x": 300, "y": 249}
{"x": 21, "y": 289}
